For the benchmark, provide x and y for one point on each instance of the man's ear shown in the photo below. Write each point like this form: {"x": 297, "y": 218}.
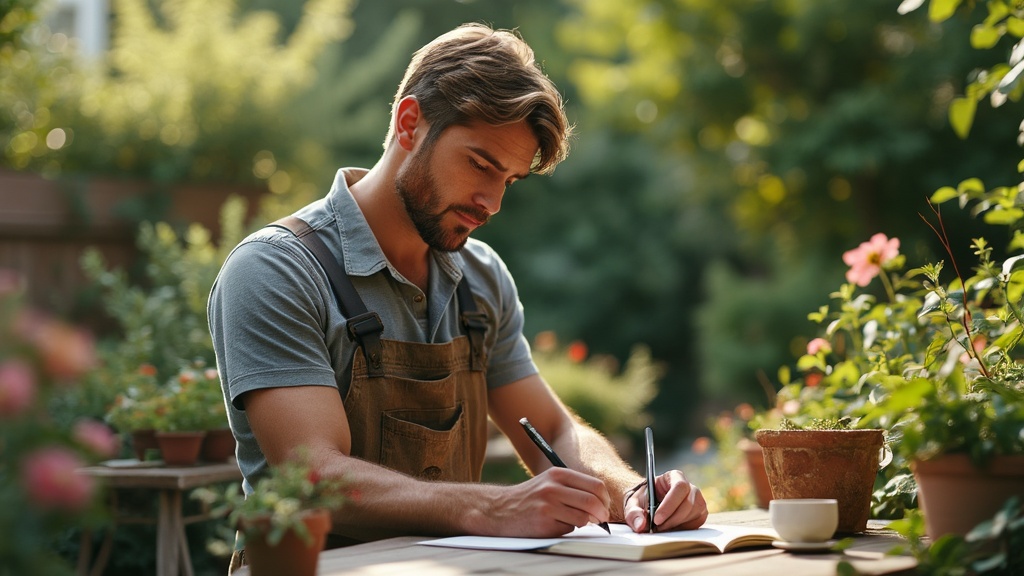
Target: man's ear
{"x": 408, "y": 119}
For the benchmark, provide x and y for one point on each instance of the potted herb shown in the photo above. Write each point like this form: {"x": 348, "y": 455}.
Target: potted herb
{"x": 825, "y": 459}
{"x": 202, "y": 384}
{"x": 134, "y": 411}
{"x": 284, "y": 522}
{"x": 932, "y": 363}
{"x": 960, "y": 410}
{"x": 181, "y": 426}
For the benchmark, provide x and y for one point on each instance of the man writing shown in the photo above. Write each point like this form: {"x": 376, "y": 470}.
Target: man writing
{"x": 421, "y": 332}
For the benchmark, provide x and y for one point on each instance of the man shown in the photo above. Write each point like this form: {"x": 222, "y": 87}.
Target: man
{"x": 473, "y": 114}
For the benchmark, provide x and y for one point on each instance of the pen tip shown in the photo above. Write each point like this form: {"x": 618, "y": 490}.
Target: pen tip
{"x": 524, "y": 421}
{"x": 605, "y": 526}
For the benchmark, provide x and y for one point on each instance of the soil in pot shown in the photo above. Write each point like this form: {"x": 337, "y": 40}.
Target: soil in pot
{"x": 839, "y": 464}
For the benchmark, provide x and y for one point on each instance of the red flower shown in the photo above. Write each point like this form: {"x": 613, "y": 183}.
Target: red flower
{"x": 577, "y": 351}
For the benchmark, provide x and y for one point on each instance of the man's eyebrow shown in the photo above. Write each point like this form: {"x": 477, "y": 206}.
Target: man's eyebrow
{"x": 494, "y": 161}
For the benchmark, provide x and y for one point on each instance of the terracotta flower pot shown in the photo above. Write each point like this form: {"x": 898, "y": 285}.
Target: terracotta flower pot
{"x": 180, "y": 448}
{"x": 143, "y": 440}
{"x": 755, "y": 467}
{"x": 218, "y": 445}
{"x": 291, "y": 555}
{"x": 955, "y": 496}
{"x": 840, "y": 464}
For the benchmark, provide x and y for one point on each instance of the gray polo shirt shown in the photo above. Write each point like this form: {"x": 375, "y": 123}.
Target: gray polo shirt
{"x": 275, "y": 321}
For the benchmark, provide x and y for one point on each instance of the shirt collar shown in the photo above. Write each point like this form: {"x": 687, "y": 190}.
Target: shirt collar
{"x": 362, "y": 253}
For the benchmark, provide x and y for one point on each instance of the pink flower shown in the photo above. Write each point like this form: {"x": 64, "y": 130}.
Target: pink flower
{"x": 866, "y": 260}
{"x": 11, "y": 282}
{"x": 818, "y": 345}
{"x": 211, "y": 374}
{"x": 49, "y": 479}
{"x": 96, "y": 437}
{"x": 67, "y": 351}
{"x": 17, "y": 387}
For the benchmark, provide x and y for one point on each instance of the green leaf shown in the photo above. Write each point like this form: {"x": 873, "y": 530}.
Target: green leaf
{"x": 1004, "y": 217}
{"x": 1020, "y": 166}
{"x": 984, "y": 36}
{"x": 808, "y": 362}
{"x": 941, "y": 10}
{"x": 971, "y": 185}
{"x": 1015, "y": 26}
{"x": 947, "y": 193}
{"x": 961, "y": 115}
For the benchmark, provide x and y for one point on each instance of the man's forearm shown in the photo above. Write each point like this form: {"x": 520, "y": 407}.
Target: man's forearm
{"x": 386, "y": 502}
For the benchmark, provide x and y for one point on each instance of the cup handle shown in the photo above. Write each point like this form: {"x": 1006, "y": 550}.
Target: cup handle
{"x": 884, "y": 456}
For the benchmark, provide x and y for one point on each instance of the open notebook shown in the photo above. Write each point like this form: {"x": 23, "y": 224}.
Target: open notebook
{"x": 624, "y": 544}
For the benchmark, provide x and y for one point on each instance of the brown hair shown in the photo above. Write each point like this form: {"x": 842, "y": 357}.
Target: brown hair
{"x": 477, "y": 73}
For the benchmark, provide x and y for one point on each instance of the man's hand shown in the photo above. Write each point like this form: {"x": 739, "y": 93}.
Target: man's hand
{"x": 681, "y": 506}
{"x": 550, "y": 504}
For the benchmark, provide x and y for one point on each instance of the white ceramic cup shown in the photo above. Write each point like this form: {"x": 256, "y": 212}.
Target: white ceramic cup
{"x": 804, "y": 520}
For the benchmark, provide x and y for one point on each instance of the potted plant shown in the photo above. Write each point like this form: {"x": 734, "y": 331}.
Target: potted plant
{"x": 202, "y": 384}
{"x": 284, "y": 522}
{"x": 181, "y": 426}
{"x": 960, "y": 410}
{"x": 134, "y": 411}
{"x": 932, "y": 363}
{"x": 826, "y": 459}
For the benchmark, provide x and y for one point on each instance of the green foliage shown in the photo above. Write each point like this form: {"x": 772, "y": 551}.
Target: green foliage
{"x": 193, "y": 92}
{"x": 611, "y": 400}
{"x": 15, "y": 16}
{"x": 806, "y": 124}
{"x": 161, "y": 319}
{"x": 995, "y": 547}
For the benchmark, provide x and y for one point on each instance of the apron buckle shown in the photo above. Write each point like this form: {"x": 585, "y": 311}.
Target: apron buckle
{"x": 363, "y": 325}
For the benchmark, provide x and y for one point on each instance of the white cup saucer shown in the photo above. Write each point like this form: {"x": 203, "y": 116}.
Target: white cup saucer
{"x": 804, "y": 546}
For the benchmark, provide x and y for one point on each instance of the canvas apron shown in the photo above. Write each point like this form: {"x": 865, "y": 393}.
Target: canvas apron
{"x": 416, "y": 408}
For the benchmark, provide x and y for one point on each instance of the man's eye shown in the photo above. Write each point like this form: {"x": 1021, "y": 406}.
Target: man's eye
{"x": 477, "y": 165}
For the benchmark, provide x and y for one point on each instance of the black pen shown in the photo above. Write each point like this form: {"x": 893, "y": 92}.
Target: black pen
{"x": 652, "y": 496}
{"x": 550, "y": 453}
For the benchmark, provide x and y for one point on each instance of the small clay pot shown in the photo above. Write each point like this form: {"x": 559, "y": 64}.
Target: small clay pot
{"x": 839, "y": 464}
{"x": 291, "y": 555}
{"x": 180, "y": 448}
{"x": 218, "y": 445}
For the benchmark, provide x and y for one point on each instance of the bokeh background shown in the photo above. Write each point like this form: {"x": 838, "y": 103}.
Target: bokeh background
{"x": 728, "y": 153}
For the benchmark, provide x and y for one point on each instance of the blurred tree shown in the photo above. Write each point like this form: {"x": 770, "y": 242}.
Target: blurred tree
{"x": 15, "y": 16}
{"x": 809, "y": 125}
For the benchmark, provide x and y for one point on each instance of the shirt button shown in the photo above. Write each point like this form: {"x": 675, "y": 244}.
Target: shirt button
{"x": 431, "y": 473}
{"x": 417, "y": 298}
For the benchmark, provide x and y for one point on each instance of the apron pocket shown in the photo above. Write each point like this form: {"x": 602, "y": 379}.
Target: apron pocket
{"x": 428, "y": 444}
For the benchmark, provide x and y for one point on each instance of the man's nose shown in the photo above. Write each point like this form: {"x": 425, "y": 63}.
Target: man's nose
{"x": 490, "y": 199}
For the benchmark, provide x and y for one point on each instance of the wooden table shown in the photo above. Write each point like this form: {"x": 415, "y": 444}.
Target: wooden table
{"x": 401, "y": 556}
{"x": 172, "y": 554}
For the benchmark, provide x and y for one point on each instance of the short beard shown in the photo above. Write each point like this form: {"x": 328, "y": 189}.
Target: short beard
{"x": 418, "y": 191}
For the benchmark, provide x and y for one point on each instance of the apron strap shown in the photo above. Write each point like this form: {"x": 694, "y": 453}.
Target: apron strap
{"x": 364, "y": 327}
{"x": 475, "y": 323}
